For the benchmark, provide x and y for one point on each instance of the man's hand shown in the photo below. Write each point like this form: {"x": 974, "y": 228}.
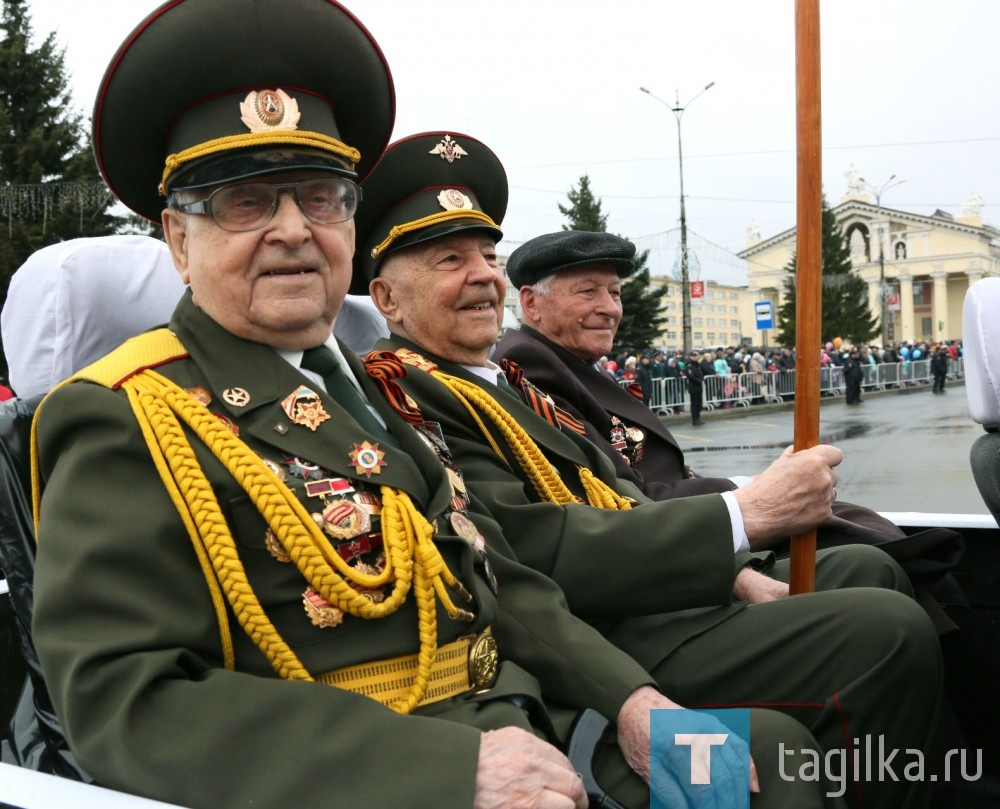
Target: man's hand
{"x": 729, "y": 777}
{"x": 756, "y": 588}
{"x": 520, "y": 771}
{"x": 791, "y": 496}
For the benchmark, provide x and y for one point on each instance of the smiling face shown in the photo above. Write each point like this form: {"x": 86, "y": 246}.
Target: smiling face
{"x": 445, "y": 295}
{"x": 579, "y": 309}
{"x": 281, "y": 285}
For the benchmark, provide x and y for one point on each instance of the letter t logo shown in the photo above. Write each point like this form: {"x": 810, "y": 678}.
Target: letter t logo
{"x": 701, "y": 753}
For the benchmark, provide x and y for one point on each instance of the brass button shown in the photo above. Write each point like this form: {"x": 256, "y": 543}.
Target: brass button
{"x": 484, "y": 658}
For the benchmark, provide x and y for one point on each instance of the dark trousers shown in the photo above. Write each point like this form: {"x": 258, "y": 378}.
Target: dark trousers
{"x": 694, "y": 391}
{"x": 939, "y": 382}
{"x": 853, "y": 390}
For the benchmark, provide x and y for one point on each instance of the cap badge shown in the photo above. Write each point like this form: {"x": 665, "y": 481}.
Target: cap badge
{"x": 448, "y": 150}
{"x": 266, "y": 110}
{"x": 451, "y": 199}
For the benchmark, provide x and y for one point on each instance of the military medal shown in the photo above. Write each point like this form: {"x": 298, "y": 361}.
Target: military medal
{"x": 617, "y": 434}
{"x": 200, "y": 395}
{"x": 634, "y": 434}
{"x": 320, "y": 611}
{"x": 304, "y": 407}
{"x": 367, "y": 458}
{"x": 369, "y": 501}
{"x": 484, "y": 658}
{"x": 373, "y": 594}
{"x": 416, "y": 360}
{"x": 279, "y": 473}
{"x": 344, "y": 519}
{"x": 275, "y": 548}
{"x": 328, "y": 486}
{"x": 466, "y": 529}
{"x": 359, "y": 546}
{"x": 228, "y": 424}
{"x": 237, "y": 397}
{"x": 304, "y": 470}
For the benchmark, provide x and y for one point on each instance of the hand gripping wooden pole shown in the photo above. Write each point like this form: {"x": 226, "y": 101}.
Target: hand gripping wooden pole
{"x": 809, "y": 263}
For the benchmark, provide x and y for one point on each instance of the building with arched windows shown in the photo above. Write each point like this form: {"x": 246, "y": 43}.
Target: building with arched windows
{"x": 917, "y": 267}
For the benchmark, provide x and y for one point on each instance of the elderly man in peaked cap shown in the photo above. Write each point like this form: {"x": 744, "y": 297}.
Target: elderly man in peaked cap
{"x": 257, "y": 584}
{"x": 569, "y": 284}
{"x": 657, "y": 578}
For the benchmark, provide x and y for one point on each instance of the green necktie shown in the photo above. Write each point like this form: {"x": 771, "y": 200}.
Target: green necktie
{"x": 322, "y": 361}
{"x": 505, "y": 386}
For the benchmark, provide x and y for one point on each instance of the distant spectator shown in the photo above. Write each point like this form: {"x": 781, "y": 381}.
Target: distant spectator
{"x": 644, "y": 376}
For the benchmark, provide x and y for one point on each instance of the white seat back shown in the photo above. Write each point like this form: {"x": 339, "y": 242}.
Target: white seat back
{"x": 981, "y": 350}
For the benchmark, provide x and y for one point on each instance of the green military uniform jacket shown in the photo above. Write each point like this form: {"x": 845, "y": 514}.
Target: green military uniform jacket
{"x": 648, "y": 578}
{"x": 130, "y": 646}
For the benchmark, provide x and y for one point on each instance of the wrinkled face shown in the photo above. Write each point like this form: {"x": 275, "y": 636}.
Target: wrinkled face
{"x": 579, "y": 309}
{"x": 445, "y": 295}
{"x": 281, "y": 285}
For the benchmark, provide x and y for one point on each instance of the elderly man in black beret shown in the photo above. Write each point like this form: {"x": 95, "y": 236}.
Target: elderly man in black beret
{"x": 657, "y": 578}
{"x": 569, "y": 285}
{"x": 260, "y": 582}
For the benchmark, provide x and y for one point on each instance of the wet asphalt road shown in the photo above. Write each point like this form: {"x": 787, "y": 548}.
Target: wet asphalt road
{"x": 902, "y": 451}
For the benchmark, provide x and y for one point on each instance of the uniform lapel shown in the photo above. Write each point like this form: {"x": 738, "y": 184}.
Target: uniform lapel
{"x": 550, "y": 438}
{"x": 251, "y": 382}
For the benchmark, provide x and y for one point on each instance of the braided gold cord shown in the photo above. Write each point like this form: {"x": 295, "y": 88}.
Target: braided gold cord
{"x": 543, "y": 477}
{"x": 427, "y": 221}
{"x": 599, "y": 494}
{"x": 278, "y": 137}
{"x": 531, "y": 459}
{"x": 144, "y": 412}
{"x": 412, "y": 557}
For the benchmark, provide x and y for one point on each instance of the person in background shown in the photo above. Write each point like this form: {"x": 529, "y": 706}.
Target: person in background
{"x": 939, "y": 368}
{"x": 644, "y": 376}
{"x": 853, "y": 376}
{"x": 695, "y": 375}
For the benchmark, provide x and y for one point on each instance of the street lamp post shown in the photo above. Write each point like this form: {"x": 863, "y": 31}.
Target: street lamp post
{"x": 678, "y": 111}
{"x": 883, "y": 292}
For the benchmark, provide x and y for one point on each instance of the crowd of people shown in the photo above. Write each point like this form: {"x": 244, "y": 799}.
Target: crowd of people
{"x": 643, "y": 368}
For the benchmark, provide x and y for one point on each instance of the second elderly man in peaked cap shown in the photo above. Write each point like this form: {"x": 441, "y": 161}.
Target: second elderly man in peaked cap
{"x": 636, "y": 569}
{"x": 570, "y": 285}
{"x": 257, "y": 584}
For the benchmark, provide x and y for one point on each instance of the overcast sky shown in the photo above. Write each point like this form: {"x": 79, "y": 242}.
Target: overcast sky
{"x": 552, "y": 86}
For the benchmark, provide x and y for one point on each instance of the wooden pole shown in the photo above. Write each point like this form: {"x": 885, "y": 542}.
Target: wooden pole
{"x": 809, "y": 263}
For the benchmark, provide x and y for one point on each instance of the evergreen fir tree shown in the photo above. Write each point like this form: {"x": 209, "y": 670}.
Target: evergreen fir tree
{"x": 584, "y": 209}
{"x": 844, "y": 308}
{"x": 642, "y": 320}
{"x": 50, "y": 189}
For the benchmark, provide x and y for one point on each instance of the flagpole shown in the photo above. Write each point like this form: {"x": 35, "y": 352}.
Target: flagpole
{"x": 809, "y": 262}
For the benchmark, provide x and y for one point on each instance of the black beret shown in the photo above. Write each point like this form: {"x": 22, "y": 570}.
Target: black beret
{"x": 552, "y": 252}
{"x": 425, "y": 186}
{"x": 211, "y": 91}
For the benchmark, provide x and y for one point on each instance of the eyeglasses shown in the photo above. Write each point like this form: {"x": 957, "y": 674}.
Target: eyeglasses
{"x": 250, "y": 206}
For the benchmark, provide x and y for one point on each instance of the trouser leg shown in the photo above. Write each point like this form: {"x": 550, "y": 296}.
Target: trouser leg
{"x": 775, "y": 742}
{"x": 857, "y": 667}
{"x": 853, "y": 566}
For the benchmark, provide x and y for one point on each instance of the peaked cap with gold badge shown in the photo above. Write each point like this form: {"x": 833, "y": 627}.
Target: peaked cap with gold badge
{"x": 425, "y": 186}
{"x": 211, "y": 91}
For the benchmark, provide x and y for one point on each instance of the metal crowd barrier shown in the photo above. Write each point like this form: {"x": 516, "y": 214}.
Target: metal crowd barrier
{"x": 670, "y": 394}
